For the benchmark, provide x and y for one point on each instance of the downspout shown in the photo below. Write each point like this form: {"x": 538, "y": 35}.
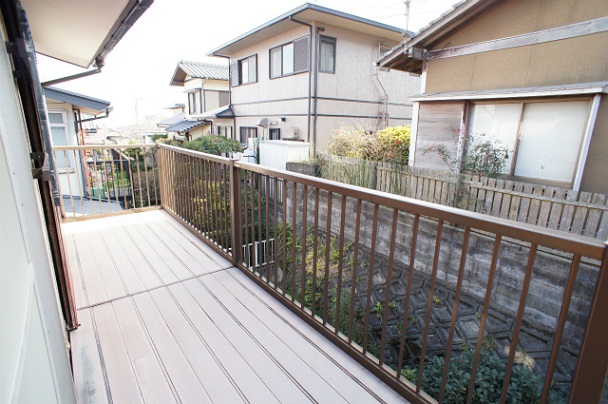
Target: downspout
{"x": 316, "y": 93}
{"x": 309, "y": 79}
{"x": 384, "y": 111}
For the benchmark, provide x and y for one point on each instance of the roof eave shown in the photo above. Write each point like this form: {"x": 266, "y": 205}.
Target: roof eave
{"x": 221, "y": 51}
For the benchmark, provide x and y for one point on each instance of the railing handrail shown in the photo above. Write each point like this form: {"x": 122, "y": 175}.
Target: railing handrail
{"x": 194, "y": 153}
{"x": 591, "y": 367}
{"x": 576, "y": 244}
{"x": 106, "y": 146}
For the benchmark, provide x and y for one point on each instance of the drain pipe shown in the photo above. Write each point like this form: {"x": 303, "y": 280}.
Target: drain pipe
{"x": 229, "y": 91}
{"x": 309, "y": 78}
{"x": 99, "y": 62}
{"x": 316, "y": 93}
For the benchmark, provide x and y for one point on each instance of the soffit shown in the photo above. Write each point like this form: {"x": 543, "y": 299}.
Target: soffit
{"x": 78, "y": 31}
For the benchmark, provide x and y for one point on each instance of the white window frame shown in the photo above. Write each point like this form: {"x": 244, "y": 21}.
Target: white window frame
{"x": 582, "y": 148}
{"x": 69, "y": 165}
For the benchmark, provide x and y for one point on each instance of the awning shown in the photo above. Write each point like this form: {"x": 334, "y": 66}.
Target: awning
{"x": 186, "y": 125}
{"x": 90, "y": 105}
{"x": 221, "y": 112}
{"x": 524, "y": 92}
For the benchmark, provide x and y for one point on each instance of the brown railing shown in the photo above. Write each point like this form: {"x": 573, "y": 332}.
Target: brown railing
{"x": 552, "y": 207}
{"x": 106, "y": 179}
{"x": 441, "y": 303}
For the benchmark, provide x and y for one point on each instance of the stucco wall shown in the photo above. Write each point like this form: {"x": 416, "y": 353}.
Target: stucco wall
{"x": 577, "y": 60}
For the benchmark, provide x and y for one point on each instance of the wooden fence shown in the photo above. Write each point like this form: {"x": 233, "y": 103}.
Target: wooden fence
{"x": 552, "y": 207}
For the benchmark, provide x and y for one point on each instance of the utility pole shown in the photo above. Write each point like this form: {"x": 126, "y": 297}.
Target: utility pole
{"x": 406, "y": 34}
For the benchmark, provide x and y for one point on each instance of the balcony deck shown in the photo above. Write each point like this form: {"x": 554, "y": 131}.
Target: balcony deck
{"x": 166, "y": 319}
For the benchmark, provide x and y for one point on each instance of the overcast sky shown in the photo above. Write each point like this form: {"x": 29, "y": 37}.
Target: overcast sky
{"x": 137, "y": 72}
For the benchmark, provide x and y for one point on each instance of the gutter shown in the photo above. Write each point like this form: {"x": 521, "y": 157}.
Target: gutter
{"x": 309, "y": 82}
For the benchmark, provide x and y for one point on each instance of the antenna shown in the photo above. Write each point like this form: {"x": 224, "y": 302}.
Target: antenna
{"x": 406, "y": 34}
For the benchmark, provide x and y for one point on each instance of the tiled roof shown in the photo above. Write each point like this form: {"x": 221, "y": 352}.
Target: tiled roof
{"x": 198, "y": 70}
{"x": 80, "y": 100}
{"x": 172, "y": 121}
{"x": 186, "y": 125}
{"x": 221, "y": 112}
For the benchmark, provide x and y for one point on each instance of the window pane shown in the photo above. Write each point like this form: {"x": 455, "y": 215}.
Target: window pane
{"x": 275, "y": 62}
{"x": 550, "y": 141}
{"x": 288, "y": 59}
{"x": 56, "y": 117}
{"x": 327, "y": 61}
{"x": 497, "y": 124}
{"x": 245, "y": 72}
{"x": 59, "y": 138}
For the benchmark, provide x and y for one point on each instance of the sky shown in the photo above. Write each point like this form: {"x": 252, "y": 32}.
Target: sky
{"x": 136, "y": 75}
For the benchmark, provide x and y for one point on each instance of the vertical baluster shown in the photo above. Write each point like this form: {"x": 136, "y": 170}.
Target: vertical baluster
{"x": 448, "y": 353}
{"x": 354, "y": 272}
{"x": 484, "y": 317}
{"x": 387, "y": 288}
{"x": 429, "y": 304}
{"x": 370, "y": 278}
{"x": 340, "y": 259}
{"x": 408, "y": 293}
{"x": 327, "y": 254}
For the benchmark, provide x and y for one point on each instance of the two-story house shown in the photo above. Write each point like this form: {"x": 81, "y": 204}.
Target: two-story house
{"x": 528, "y": 74}
{"x": 208, "y": 98}
{"x": 310, "y": 71}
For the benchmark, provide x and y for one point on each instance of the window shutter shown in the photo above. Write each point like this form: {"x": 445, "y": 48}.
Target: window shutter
{"x": 301, "y": 54}
{"x": 234, "y": 74}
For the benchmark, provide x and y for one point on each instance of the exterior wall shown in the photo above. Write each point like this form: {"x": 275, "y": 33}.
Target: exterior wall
{"x": 551, "y": 63}
{"x": 438, "y": 124}
{"x": 277, "y": 153}
{"x": 200, "y": 131}
{"x": 34, "y": 363}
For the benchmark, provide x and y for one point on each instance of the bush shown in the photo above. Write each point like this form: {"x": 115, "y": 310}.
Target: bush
{"x": 213, "y": 144}
{"x": 388, "y": 144}
{"x": 525, "y": 386}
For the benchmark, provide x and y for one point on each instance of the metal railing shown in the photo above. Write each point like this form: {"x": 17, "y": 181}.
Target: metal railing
{"x": 414, "y": 291}
{"x": 106, "y": 179}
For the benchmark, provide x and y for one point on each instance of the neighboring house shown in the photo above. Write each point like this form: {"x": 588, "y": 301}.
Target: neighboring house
{"x": 528, "y": 73}
{"x": 310, "y": 71}
{"x": 70, "y": 118}
{"x": 36, "y": 303}
{"x": 208, "y": 96}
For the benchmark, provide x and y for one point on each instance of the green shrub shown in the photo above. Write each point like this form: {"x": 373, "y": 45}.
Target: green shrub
{"x": 525, "y": 386}
{"x": 213, "y": 144}
{"x": 388, "y": 144}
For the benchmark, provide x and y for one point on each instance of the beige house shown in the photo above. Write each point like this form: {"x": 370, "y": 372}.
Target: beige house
{"x": 528, "y": 74}
{"x": 71, "y": 117}
{"x": 311, "y": 70}
{"x": 208, "y": 98}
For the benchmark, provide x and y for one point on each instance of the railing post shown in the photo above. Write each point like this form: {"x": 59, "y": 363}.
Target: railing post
{"x": 161, "y": 172}
{"x": 235, "y": 210}
{"x": 592, "y": 366}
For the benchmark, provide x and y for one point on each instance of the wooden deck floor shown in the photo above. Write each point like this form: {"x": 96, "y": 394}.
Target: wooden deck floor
{"x": 165, "y": 319}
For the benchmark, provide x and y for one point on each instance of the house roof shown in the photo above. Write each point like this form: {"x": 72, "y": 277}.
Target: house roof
{"x": 186, "y": 125}
{"x": 408, "y": 56}
{"x": 172, "y": 120}
{"x": 308, "y": 13}
{"x": 221, "y": 112}
{"x": 198, "y": 70}
{"x": 81, "y": 32}
{"x": 90, "y": 105}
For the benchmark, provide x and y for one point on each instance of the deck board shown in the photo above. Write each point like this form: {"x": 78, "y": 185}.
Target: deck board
{"x": 166, "y": 319}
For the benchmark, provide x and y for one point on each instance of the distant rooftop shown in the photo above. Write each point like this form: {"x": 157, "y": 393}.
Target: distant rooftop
{"x": 198, "y": 70}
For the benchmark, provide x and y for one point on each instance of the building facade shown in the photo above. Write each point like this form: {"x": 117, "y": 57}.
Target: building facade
{"x": 526, "y": 74}
{"x": 310, "y": 71}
